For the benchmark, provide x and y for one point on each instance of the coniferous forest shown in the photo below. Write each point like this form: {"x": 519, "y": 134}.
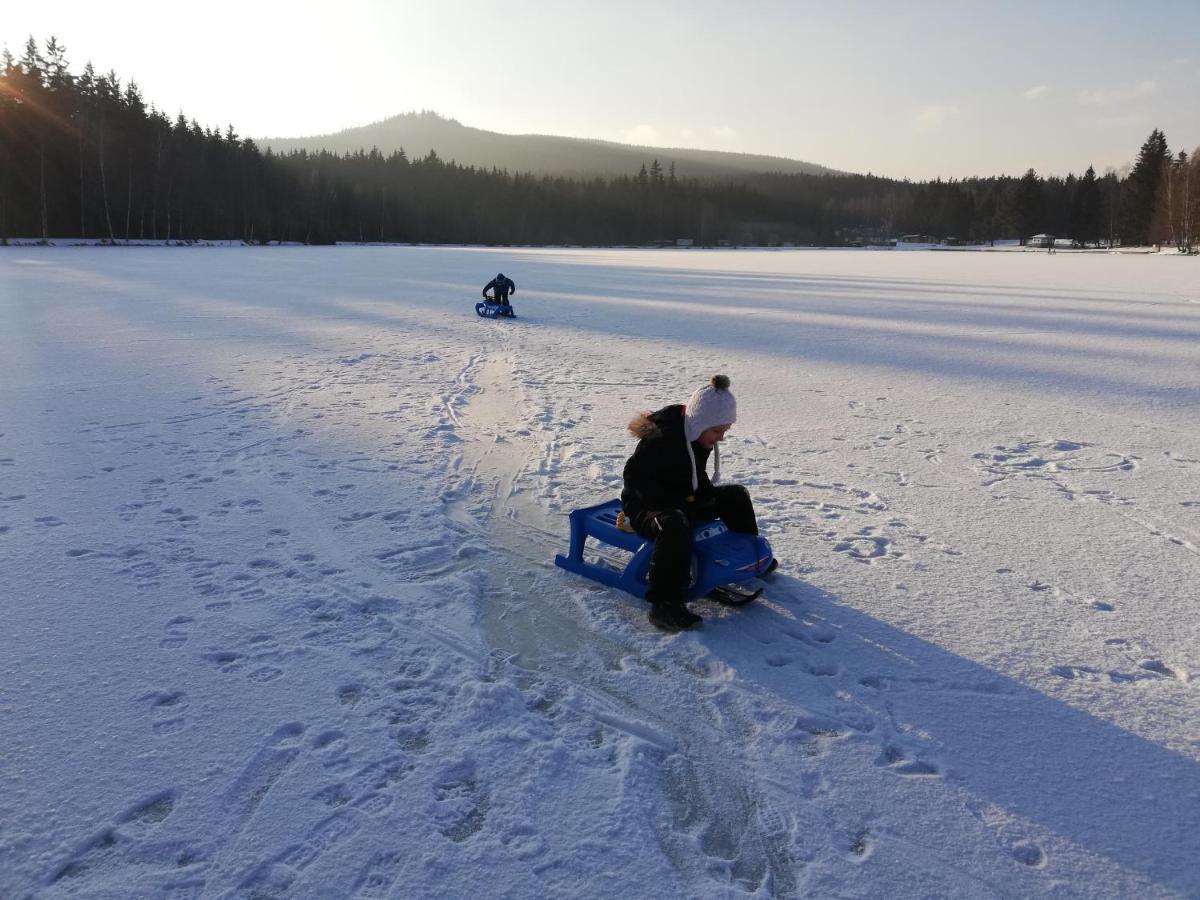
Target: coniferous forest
{"x": 82, "y": 156}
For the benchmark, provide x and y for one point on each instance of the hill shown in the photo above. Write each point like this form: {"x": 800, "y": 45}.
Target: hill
{"x": 418, "y": 133}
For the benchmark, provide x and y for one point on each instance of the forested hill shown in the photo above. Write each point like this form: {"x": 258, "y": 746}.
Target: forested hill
{"x": 539, "y": 154}
{"x": 82, "y": 156}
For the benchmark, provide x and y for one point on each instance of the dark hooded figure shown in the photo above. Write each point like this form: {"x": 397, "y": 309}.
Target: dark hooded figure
{"x": 667, "y": 490}
{"x": 500, "y": 286}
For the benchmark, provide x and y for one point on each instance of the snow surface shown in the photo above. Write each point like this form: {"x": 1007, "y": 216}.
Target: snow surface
{"x": 280, "y": 617}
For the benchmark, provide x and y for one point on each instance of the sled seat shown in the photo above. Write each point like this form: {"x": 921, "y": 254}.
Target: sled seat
{"x": 719, "y": 556}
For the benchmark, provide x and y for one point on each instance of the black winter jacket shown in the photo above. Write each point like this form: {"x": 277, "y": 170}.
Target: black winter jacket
{"x": 659, "y": 474}
{"x": 501, "y": 286}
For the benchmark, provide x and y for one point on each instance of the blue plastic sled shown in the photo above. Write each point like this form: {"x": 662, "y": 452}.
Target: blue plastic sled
{"x": 495, "y": 310}
{"x": 719, "y": 556}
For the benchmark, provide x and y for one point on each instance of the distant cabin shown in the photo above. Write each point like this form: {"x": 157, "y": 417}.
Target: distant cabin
{"x": 1040, "y": 240}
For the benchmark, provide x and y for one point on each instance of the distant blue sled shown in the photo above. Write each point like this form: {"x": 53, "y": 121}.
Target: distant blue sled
{"x": 495, "y": 310}
{"x": 719, "y": 556}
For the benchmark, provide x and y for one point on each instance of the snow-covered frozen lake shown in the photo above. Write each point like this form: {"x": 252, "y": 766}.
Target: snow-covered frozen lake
{"x": 280, "y": 617}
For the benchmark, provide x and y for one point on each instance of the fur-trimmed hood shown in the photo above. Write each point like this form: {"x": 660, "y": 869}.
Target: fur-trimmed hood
{"x": 642, "y": 426}
{"x": 649, "y": 425}
{"x": 666, "y": 470}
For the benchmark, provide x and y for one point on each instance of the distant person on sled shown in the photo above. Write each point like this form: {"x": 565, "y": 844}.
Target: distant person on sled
{"x": 500, "y": 286}
{"x": 667, "y": 490}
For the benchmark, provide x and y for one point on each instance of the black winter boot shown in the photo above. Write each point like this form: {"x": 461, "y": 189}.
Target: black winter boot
{"x": 673, "y": 616}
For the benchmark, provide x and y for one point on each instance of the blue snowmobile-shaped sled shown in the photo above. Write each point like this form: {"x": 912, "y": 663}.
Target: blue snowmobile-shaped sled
{"x": 489, "y": 310}
{"x": 720, "y": 557}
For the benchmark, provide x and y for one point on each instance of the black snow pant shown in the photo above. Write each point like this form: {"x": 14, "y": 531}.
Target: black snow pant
{"x": 498, "y": 296}
{"x": 671, "y": 530}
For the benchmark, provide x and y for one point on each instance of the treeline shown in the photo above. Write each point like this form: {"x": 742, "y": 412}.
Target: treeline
{"x": 81, "y": 156}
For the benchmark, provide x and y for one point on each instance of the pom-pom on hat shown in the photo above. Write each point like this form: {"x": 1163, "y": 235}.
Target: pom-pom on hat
{"x": 713, "y": 404}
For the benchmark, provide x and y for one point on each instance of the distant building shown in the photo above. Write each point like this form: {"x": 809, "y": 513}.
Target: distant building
{"x": 863, "y": 236}
{"x": 1040, "y": 240}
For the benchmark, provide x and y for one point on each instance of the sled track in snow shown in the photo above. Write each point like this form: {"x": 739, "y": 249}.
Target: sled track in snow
{"x": 693, "y": 789}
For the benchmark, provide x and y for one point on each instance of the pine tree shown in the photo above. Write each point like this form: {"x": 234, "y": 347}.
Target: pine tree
{"x": 33, "y": 63}
{"x": 1023, "y": 206}
{"x": 57, "y": 75}
{"x": 1141, "y": 189}
{"x": 1086, "y": 219}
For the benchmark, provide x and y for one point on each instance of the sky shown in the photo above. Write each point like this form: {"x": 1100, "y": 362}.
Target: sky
{"x": 939, "y": 89}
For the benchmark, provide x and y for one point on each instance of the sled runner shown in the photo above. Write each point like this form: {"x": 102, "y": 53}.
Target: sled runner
{"x": 720, "y": 557}
{"x": 489, "y": 310}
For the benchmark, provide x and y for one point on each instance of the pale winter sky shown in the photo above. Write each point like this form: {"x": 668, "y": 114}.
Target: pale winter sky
{"x": 905, "y": 90}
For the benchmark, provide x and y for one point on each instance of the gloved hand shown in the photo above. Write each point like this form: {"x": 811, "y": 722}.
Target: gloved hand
{"x": 668, "y": 520}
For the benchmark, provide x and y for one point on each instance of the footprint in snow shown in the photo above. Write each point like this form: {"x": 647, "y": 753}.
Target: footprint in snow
{"x": 321, "y": 838}
{"x": 861, "y": 846}
{"x": 351, "y": 694}
{"x": 1085, "y": 673}
{"x": 265, "y": 768}
{"x": 176, "y": 630}
{"x": 113, "y": 847}
{"x": 376, "y": 879}
{"x": 818, "y": 731}
{"x": 822, "y": 669}
{"x": 1028, "y": 853}
{"x": 265, "y": 674}
{"x": 167, "y": 710}
{"x": 225, "y": 660}
{"x": 334, "y": 795}
{"x": 898, "y": 760}
{"x": 1148, "y": 670}
{"x": 1158, "y": 667}
{"x": 460, "y": 807}
{"x": 372, "y": 789}
{"x": 865, "y": 548}
{"x": 331, "y": 746}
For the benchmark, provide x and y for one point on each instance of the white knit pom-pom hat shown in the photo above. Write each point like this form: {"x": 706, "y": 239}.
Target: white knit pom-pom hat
{"x": 713, "y": 404}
